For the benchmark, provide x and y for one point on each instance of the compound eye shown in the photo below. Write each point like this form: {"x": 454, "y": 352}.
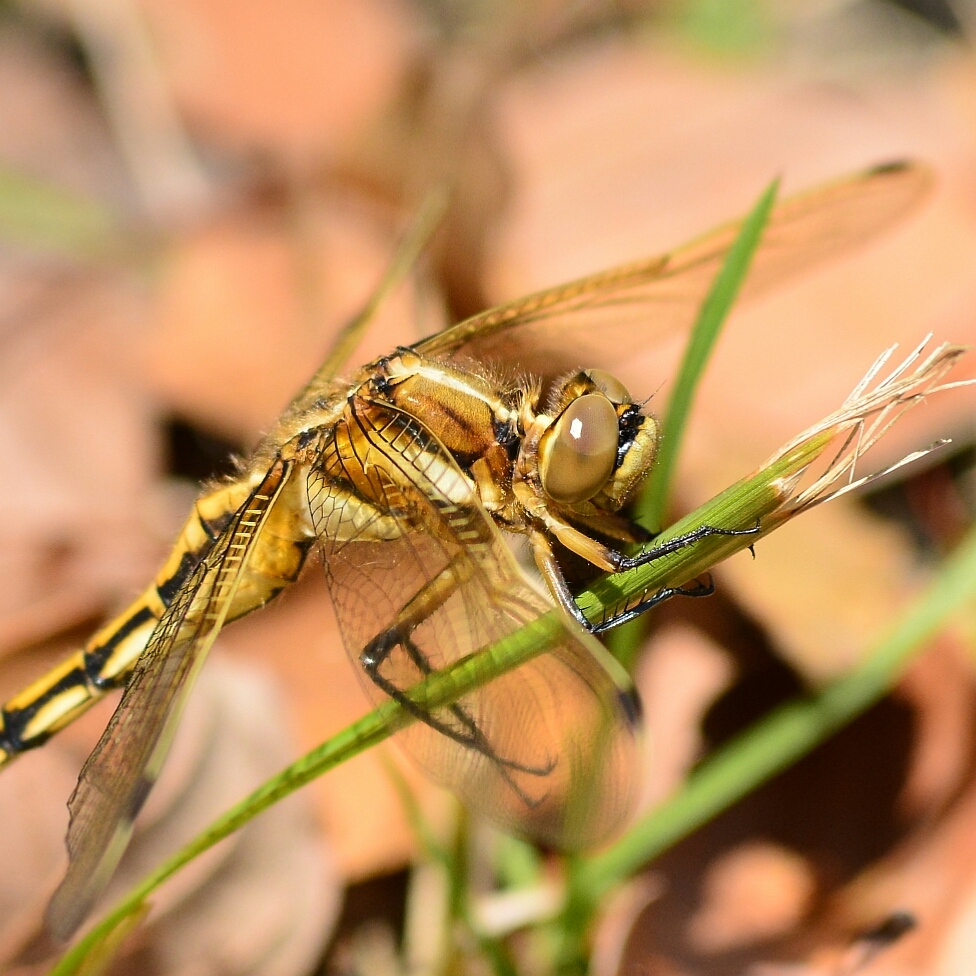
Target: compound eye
{"x": 615, "y": 391}
{"x": 583, "y": 449}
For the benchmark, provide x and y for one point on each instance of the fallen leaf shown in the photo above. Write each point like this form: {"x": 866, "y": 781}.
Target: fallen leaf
{"x": 303, "y": 82}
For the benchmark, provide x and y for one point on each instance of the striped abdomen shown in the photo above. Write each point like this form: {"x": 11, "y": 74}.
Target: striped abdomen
{"x": 54, "y": 700}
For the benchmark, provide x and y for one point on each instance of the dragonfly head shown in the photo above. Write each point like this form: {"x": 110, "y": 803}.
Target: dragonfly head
{"x": 599, "y": 446}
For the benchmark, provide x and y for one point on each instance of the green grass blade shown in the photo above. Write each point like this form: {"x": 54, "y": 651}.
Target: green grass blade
{"x": 652, "y": 504}
{"x": 518, "y": 863}
{"x": 651, "y": 507}
{"x": 741, "y": 505}
{"x": 43, "y": 217}
{"x": 728, "y": 28}
{"x": 497, "y": 957}
{"x": 424, "y": 833}
{"x": 767, "y": 748}
{"x": 102, "y": 952}
{"x": 780, "y": 739}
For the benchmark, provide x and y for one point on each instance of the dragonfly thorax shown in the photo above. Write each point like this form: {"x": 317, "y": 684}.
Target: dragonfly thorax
{"x": 586, "y": 450}
{"x": 474, "y": 416}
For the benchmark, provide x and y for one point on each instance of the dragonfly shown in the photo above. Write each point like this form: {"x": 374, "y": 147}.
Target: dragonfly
{"x": 405, "y": 478}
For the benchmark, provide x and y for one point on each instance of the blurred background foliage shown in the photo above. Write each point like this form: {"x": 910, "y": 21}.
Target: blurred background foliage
{"x": 196, "y": 194}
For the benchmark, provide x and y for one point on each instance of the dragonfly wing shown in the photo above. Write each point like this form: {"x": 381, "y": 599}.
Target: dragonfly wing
{"x": 118, "y": 775}
{"x": 421, "y": 572}
{"x": 607, "y": 317}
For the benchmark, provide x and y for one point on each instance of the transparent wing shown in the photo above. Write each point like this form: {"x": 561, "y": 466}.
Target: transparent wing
{"x": 118, "y": 775}
{"x": 607, "y": 317}
{"x": 420, "y": 577}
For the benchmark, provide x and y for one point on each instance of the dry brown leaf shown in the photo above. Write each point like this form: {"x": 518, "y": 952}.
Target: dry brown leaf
{"x": 50, "y": 125}
{"x": 617, "y": 920}
{"x": 33, "y": 820}
{"x": 751, "y": 893}
{"x": 75, "y": 428}
{"x": 940, "y": 687}
{"x": 301, "y": 81}
{"x": 79, "y": 434}
{"x": 826, "y": 586}
{"x": 680, "y": 674}
{"x": 277, "y": 872}
{"x": 930, "y": 876}
{"x": 247, "y": 307}
{"x": 662, "y": 148}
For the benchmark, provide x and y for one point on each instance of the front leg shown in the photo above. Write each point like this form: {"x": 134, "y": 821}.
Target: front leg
{"x": 548, "y": 565}
{"x": 612, "y": 560}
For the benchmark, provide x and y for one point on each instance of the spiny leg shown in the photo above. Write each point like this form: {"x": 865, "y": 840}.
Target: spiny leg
{"x": 657, "y": 552}
{"x": 474, "y": 730}
{"x": 473, "y": 738}
{"x": 552, "y": 573}
{"x": 622, "y": 562}
{"x": 425, "y": 602}
{"x": 700, "y": 589}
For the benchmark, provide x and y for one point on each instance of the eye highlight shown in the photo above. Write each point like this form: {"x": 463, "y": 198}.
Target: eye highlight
{"x": 581, "y": 450}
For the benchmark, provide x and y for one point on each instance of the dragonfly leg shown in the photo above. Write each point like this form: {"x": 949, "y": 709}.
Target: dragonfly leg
{"x": 613, "y": 560}
{"x": 471, "y": 738}
{"x": 469, "y": 723}
{"x": 614, "y": 619}
{"x": 470, "y": 735}
{"x": 553, "y": 575}
{"x": 467, "y": 732}
{"x": 622, "y": 562}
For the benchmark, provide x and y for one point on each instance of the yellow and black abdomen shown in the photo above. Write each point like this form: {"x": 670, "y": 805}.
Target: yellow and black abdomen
{"x": 54, "y": 700}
